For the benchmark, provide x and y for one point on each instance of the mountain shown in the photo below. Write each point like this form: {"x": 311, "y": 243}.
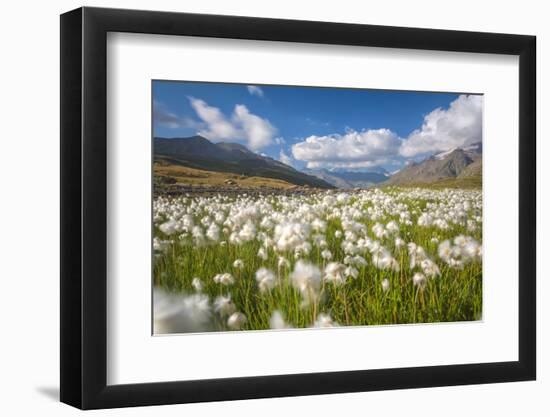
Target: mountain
{"x": 359, "y": 178}
{"x": 199, "y": 153}
{"x": 473, "y": 151}
{"x": 455, "y": 163}
{"x": 326, "y": 176}
{"x": 472, "y": 170}
{"x": 348, "y": 179}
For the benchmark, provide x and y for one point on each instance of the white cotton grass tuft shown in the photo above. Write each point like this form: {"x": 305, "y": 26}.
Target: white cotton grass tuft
{"x": 351, "y": 272}
{"x": 197, "y": 284}
{"x": 392, "y": 227}
{"x": 238, "y": 264}
{"x": 223, "y": 305}
{"x": 224, "y": 279}
{"x": 277, "y": 321}
{"x": 326, "y": 255}
{"x": 382, "y": 259}
{"x": 379, "y": 230}
{"x": 236, "y": 321}
{"x": 168, "y": 228}
{"x": 160, "y": 245}
{"x": 419, "y": 280}
{"x": 213, "y": 232}
{"x": 248, "y": 232}
{"x": 262, "y": 254}
{"x": 283, "y": 263}
{"x": 179, "y": 313}
{"x": 265, "y": 279}
{"x": 465, "y": 249}
{"x": 335, "y": 273}
{"x": 198, "y": 235}
{"x": 306, "y": 278}
{"x": 289, "y": 236}
{"x": 430, "y": 268}
{"x": 399, "y": 243}
{"x": 385, "y": 285}
{"x": 324, "y": 320}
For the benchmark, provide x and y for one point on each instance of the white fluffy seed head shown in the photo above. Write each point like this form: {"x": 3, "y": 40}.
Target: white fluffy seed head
{"x": 335, "y": 273}
{"x": 277, "y": 321}
{"x": 324, "y": 320}
{"x": 306, "y": 278}
{"x": 236, "y": 321}
{"x": 197, "y": 284}
{"x": 419, "y": 280}
{"x": 266, "y": 279}
{"x": 224, "y": 306}
{"x": 174, "y": 313}
{"x": 238, "y": 264}
{"x": 224, "y": 279}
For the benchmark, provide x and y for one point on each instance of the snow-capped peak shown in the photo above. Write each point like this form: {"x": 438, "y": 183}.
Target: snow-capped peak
{"x": 443, "y": 155}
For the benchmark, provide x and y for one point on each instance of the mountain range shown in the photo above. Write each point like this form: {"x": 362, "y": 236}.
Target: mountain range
{"x": 349, "y": 179}
{"x": 450, "y": 168}
{"x": 199, "y": 153}
{"x": 457, "y": 163}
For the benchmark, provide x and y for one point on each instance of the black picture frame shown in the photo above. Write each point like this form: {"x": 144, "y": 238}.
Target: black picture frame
{"x": 84, "y": 207}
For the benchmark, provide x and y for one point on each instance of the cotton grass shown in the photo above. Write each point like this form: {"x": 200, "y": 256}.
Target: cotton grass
{"x": 326, "y": 259}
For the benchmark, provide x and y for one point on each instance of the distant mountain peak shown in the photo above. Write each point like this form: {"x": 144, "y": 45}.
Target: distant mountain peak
{"x": 453, "y": 163}
{"x": 471, "y": 150}
{"x": 444, "y": 154}
{"x": 348, "y": 179}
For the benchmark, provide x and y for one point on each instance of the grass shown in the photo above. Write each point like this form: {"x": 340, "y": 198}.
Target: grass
{"x": 198, "y": 177}
{"x": 455, "y": 295}
{"x": 473, "y": 182}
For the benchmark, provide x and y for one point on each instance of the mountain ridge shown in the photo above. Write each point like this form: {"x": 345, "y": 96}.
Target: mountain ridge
{"x": 348, "y": 179}
{"x": 452, "y": 164}
{"x": 199, "y": 153}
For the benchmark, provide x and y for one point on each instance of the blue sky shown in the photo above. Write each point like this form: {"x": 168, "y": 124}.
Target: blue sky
{"x": 330, "y": 128}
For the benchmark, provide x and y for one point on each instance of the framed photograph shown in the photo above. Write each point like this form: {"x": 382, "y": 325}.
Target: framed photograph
{"x": 258, "y": 208}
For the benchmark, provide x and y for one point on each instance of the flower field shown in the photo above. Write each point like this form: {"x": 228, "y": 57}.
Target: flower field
{"x": 277, "y": 261}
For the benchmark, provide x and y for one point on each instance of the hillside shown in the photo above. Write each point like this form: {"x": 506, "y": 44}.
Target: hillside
{"x": 169, "y": 174}
{"x": 199, "y": 153}
{"x": 443, "y": 168}
{"x": 472, "y": 170}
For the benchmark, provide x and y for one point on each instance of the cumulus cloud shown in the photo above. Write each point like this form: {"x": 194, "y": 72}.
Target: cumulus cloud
{"x": 443, "y": 129}
{"x": 364, "y": 149}
{"x": 218, "y": 127}
{"x": 255, "y": 90}
{"x": 258, "y": 132}
{"x": 242, "y": 125}
{"x": 166, "y": 118}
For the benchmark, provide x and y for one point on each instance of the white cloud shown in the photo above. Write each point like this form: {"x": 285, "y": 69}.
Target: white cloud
{"x": 459, "y": 125}
{"x": 258, "y": 132}
{"x": 243, "y": 125}
{"x": 443, "y": 129}
{"x": 286, "y": 159}
{"x": 217, "y": 125}
{"x": 364, "y": 149}
{"x": 255, "y": 90}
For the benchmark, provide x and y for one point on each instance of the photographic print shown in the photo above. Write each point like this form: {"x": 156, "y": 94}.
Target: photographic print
{"x": 292, "y": 207}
